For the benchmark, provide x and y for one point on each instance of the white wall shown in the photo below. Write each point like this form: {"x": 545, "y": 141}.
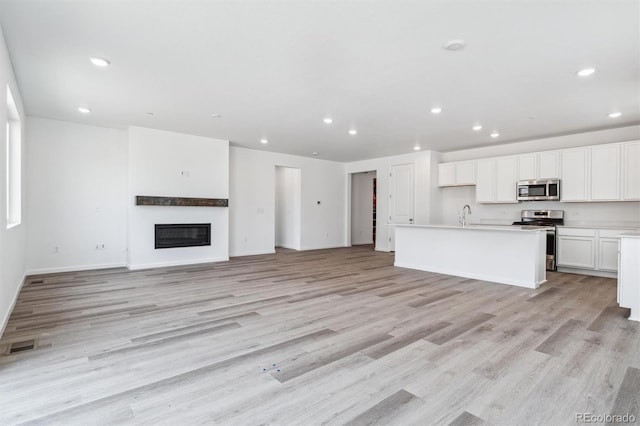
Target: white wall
{"x": 362, "y": 207}
{"x": 423, "y": 198}
{"x": 77, "y": 182}
{"x": 176, "y": 165}
{"x": 625, "y": 214}
{"x": 13, "y": 242}
{"x": 288, "y": 207}
{"x": 252, "y": 201}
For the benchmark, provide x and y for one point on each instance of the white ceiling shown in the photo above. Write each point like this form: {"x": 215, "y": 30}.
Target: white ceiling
{"x": 275, "y": 69}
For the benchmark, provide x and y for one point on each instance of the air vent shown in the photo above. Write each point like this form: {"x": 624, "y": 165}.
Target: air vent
{"x": 16, "y": 347}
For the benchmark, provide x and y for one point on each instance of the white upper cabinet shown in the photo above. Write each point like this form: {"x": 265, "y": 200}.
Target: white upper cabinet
{"x": 539, "y": 165}
{"x": 601, "y": 173}
{"x": 485, "y": 181}
{"x": 496, "y": 180}
{"x": 608, "y": 172}
{"x": 528, "y": 166}
{"x": 447, "y": 174}
{"x": 631, "y": 171}
{"x": 458, "y": 173}
{"x": 549, "y": 165}
{"x": 574, "y": 183}
{"x": 605, "y": 172}
{"x": 466, "y": 173}
{"x": 506, "y": 180}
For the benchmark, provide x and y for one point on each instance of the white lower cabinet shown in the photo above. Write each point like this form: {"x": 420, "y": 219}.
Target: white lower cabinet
{"x": 588, "y": 248}
{"x": 608, "y": 249}
{"x": 577, "y": 248}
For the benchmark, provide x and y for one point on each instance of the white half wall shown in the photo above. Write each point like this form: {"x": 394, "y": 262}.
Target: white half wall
{"x": 288, "y": 207}
{"x": 13, "y": 241}
{"x": 172, "y": 164}
{"x": 252, "y": 201}
{"x": 77, "y": 181}
{"x": 362, "y": 208}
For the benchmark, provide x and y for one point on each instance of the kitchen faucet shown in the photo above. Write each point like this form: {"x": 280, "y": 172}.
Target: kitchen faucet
{"x": 463, "y": 219}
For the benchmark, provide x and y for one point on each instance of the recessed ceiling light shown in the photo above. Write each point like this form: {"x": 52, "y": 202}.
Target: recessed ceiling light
{"x": 264, "y": 141}
{"x": 436, "y": 110}
{"x": 84, "y": 110}
{"x": 315, "y": 153}
{"x": 615, "y": 114}
{"x": 454, "y": 45}
{"x": 216, "y": 115}
{"x": 477, "y": 127}
{"x": 586, "y": 72}
{"x": 416, "y": 148}
{"x": 532, "y": 117}
{"x": 353, "y": 132}
{"x": 327, "y": 120}
{"x": 494, "y": 134}
{"x": 100, "y": 62}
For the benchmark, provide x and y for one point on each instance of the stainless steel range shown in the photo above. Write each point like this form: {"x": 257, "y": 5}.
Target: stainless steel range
{"x": 549, "y": 218}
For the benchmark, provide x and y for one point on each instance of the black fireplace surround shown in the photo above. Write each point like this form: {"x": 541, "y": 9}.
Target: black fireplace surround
{"x": 182, "y": 235}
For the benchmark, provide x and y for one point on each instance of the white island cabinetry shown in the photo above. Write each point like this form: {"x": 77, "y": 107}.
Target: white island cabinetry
{"x": 629, "y": 274}
{"x": 516, "y": 255}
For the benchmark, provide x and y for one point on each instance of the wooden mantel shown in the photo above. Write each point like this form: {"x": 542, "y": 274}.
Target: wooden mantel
{"x": 146, "y": 200}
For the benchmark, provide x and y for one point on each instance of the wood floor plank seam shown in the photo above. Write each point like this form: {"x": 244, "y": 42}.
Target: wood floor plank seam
{"x": 349, "y": 332}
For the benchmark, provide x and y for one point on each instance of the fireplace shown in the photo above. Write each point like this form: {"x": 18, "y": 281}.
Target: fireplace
{"x": 183, "y": 235}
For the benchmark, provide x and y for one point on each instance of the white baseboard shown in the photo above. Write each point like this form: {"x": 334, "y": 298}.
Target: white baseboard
{"x": 5, "y": 320}
{"x": 324, "y": 247}
{"x": 591, "y": 272}
{"x": 361, "y": 243}
{"x": 251, "y": 253}
{"x": 176, "y": 263}
{"x": 76, "y": 268}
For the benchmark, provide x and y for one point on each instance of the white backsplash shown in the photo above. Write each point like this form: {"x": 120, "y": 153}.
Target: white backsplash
{"x": 617, "y": 214}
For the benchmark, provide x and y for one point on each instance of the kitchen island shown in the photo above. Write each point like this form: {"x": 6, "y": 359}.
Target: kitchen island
{"x": 514, "y": 255}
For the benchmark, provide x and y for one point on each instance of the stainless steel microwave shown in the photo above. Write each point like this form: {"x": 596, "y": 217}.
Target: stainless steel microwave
{"x": 536, "y": 190}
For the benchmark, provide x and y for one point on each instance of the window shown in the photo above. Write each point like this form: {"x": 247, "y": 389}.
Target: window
{"x": 14, "y": 154}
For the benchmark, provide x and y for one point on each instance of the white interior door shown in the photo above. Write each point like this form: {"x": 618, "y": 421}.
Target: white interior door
{"x": 288, "y": 207}
{"x": 401, "y": 194}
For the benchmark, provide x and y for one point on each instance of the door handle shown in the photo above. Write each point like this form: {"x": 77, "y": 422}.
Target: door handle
{"x": 410, "y": 219}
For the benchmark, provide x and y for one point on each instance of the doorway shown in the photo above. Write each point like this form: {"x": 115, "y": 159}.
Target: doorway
{"x": 363, "y": 207}
{"x": 288, "y": 207}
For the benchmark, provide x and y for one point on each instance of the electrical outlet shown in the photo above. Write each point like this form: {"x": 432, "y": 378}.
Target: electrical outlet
{"x": 56, "y": 249}
{"x": 99, "y": 246}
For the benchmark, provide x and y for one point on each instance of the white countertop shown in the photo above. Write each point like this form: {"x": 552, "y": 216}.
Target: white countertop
{"x": 630, "y": 234}
{"x": 587, "y": 225}
{"x": 500, "y": 228}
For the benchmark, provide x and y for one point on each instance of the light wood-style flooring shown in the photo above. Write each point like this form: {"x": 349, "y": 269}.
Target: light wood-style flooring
{"x": 336, "y": 336}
